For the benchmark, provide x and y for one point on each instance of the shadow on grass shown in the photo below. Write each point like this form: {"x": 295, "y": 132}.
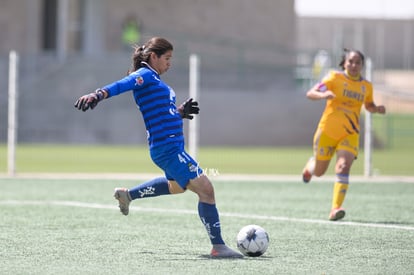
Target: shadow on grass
{"x": 261, "y": 258}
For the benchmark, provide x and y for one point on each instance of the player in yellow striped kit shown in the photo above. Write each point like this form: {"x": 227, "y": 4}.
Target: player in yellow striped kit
{"x": 345, "y": 92}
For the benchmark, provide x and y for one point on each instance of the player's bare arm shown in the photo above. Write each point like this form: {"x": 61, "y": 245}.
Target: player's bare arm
{"x": 316, "y": 94}
{"x": 372, "y": 108}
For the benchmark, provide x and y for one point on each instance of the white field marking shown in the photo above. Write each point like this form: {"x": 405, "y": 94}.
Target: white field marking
{"x": 223, "y": 214}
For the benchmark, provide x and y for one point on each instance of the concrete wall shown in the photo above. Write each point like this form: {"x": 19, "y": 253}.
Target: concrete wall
{"x": 260, "y": 21}
{"x": 390, "y": 43}
{"x": 247, "y": 51}
{"x": 20, "y": 23}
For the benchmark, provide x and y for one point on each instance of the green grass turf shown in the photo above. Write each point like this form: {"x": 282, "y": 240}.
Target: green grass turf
{"x": 32, "y": 158}
{"x": 394, "y": 130}
{"x": 39, "y": 234}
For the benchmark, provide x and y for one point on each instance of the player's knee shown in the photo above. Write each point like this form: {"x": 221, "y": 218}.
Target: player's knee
{"x": 320, "y": 167}
{"x": 206, "y": 186}
{"x": 175, "y": 188}
{"x": 343, "y": 167}
{"x": 203, "y": 187}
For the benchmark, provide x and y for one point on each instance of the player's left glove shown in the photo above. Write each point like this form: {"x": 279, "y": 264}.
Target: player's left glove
{"x": 188, "y": 108}
{"x": 90, "y": 100}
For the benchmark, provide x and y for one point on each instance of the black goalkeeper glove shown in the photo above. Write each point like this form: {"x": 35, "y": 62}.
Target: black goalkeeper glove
{"x": 90, "y": 100}
{"x": 187, "y": 108}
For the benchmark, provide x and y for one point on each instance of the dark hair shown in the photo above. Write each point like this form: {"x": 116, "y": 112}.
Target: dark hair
{"x": 156, "y": 45}
{"x": 346, "y": 54}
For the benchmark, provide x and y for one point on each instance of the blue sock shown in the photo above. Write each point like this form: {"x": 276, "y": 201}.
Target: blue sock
{"x": 152, "y": 188}
{"x": 210, "y": 218}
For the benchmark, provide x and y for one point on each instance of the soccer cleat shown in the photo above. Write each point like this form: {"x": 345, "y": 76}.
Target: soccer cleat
{"x": 308, "y": 170}
{"x": 124, "y": 198}
{"x": 223, "y": 251}
{"x": 337, "y": 214}
{"x": 306, "y": 175}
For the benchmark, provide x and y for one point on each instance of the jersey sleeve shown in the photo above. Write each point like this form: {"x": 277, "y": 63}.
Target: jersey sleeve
{"x": 131, "y": 82}
{"x": 327, "y": 82}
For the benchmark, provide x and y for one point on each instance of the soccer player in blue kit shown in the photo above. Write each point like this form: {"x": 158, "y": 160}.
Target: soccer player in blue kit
{"x": 164, "y": 125}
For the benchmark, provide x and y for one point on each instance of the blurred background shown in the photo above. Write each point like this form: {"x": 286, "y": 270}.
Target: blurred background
{"x": 257, "y": 60}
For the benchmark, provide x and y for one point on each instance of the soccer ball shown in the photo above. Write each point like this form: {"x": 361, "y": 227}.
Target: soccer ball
{"x": 252, "y": 240}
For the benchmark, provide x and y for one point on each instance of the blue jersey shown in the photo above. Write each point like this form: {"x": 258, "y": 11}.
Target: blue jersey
{"x": 156, "y": 101}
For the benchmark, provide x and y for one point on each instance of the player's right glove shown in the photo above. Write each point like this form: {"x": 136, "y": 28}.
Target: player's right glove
{"x": 188, "y": 108}
{"x": 90, "y": 100}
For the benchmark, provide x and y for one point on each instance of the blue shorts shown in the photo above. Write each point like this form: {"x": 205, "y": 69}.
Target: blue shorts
{"x": 176, "y": 163}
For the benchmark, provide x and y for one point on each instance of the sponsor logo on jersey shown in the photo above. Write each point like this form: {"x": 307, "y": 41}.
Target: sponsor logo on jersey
{"x": 353, "y": 94}
{"x": 192, "y": 168}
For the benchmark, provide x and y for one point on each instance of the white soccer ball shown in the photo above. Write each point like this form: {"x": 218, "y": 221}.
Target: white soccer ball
{"x": 252, "y": 240}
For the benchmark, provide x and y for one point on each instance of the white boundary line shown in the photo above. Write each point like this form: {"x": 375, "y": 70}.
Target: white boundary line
{"x": 223, "y": 214}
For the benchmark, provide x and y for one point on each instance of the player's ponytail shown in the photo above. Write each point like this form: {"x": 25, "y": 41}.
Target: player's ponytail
{"x": 139, "y": 56}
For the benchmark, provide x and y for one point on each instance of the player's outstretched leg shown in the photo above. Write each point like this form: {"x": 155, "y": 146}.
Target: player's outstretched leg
{"x": 151, "y": 188}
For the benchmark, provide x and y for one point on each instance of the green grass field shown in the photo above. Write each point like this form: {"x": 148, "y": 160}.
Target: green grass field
{"x": 33, "y": 158}
{"x": 68, "y": 226}
{"x": 394, "y": 130}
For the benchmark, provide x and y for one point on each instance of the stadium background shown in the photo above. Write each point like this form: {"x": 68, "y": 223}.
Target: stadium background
{"x": 257, "y": 60}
